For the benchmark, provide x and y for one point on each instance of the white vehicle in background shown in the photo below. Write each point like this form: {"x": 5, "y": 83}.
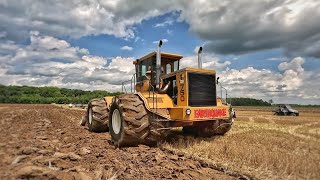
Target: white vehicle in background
{"x": 285, "y": 110}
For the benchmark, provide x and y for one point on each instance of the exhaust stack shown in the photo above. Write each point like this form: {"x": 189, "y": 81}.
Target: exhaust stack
{"x": 158, "y": 62}
{"x": 199, "y": 58}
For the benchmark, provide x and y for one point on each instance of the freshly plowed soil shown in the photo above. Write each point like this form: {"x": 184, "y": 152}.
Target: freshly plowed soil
{"x": 47, "y": 142}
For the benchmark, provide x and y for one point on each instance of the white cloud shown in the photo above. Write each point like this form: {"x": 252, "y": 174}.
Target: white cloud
{"x": 235, "y": 27}
{"x": 292, "y": 85}
{"x": 126, "y": 48}
{"x": 295, "y": 64}
{"x": 136, "y": 39}
{"x": 168, "y": 22}
{"x": 76, "y": 18}
{"x": 208, "y": 62}
{"x": 48, "y": 61}
{"x": 278, "y": 59}
{"x": 169, "y": 31}
{"x": 230, "y": 27}
{"x": 122, "y": 64}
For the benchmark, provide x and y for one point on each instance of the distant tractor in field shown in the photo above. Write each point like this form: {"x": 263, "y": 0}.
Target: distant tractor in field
{"x": 285, "y": 110}
{"x": 162, "y": 97}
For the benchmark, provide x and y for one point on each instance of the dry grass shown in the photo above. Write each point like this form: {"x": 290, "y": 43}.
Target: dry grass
{"x": 262, "y": 145}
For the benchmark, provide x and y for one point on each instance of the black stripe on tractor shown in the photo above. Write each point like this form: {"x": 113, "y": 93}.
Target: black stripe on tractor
{"x": 202, "y": 89}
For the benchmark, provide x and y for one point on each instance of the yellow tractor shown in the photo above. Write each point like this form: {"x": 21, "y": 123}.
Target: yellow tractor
{"x": 162, "y": 97}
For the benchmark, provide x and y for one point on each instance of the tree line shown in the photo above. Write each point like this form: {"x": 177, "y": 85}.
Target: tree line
{"x": 248, "y": 102}
{"x": 47, "y": 95}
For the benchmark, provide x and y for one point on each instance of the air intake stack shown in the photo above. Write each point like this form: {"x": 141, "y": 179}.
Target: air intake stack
{"x": 158, "y": 64}
{"x": 199, "y": 58}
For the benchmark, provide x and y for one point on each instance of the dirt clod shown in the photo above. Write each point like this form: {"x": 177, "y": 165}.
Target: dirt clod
{"x": 28, "y": 150}
{"x": 85, "y": 150}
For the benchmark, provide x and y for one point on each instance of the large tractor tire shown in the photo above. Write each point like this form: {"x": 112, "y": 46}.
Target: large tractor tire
{"x": 97, "y": 115}
{"x": 209, "y": 128}
{"x": 130, "y": 123}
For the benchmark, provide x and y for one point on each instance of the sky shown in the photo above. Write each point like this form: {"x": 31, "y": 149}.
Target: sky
{"x": 263, "y": 49}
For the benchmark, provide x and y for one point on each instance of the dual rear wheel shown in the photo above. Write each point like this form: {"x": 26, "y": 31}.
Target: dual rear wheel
{"x": 97, "y": 116}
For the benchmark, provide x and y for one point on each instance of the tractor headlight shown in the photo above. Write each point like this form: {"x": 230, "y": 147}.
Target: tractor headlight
{"x": 188, "y": 111}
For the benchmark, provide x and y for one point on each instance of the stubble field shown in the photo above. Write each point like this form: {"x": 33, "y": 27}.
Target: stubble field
{"x": 262, "y": 145}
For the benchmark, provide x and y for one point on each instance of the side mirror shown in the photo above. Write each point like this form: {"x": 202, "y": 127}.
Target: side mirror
{"x": 218, "y": 80}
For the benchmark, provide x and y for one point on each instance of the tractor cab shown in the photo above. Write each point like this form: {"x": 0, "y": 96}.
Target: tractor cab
{"x": 146, "y": 66}
{"x": 146, "y": 71}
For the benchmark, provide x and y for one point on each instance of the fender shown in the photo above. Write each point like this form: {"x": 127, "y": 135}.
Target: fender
{"x": 148, "y": 108}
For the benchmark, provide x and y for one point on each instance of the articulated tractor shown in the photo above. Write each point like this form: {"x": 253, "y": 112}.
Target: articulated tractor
{"x": 162, "y": 97}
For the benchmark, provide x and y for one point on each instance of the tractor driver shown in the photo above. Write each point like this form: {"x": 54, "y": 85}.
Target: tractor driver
{"x": 145, "y": 84}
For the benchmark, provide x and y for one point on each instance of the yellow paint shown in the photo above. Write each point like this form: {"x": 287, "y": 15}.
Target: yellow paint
{"x": 108, "y": 99}
{"x": 158, "y": 101}
{"x": 182, "y": 86}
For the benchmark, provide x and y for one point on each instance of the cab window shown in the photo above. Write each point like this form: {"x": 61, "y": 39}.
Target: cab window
{"x": 143, "y": 69}
{"x": 176, "y": 65}
{"x": 168, "y": 68}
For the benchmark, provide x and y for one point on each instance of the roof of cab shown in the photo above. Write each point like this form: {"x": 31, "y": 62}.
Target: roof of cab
{"x": 163, "y": 54}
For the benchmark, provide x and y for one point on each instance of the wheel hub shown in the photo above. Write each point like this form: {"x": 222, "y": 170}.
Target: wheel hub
{"x": 90, "y": 116}
{"x": 116, "y": 121}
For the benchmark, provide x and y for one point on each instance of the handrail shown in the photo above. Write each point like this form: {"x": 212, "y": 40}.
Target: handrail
{"x": 230, "y": 98}
{"x": 132, "y": 83}
{"x": 153, "y": 92}
{"x": 227, "y": 95}
{"x": 123, "y": 85}
{"x": 153, "y": 114}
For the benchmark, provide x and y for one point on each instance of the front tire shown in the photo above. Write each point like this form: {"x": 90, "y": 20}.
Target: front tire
{"x": 98, "y": 115}
{"x": 129, "y": 122}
